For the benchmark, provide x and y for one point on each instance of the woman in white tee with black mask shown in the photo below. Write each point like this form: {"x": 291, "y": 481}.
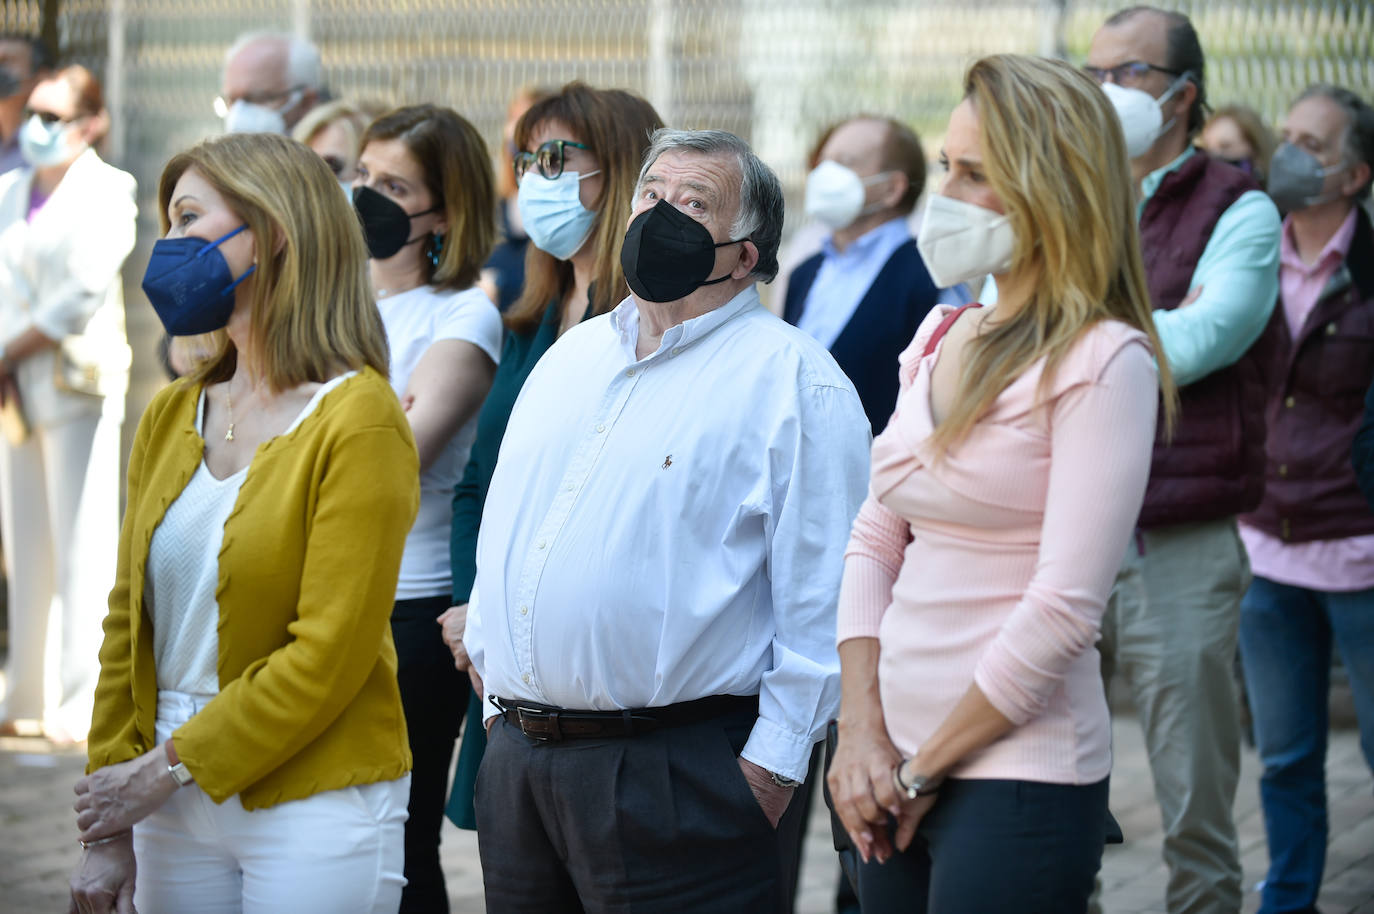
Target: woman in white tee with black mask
{"x": 426, "y": 196}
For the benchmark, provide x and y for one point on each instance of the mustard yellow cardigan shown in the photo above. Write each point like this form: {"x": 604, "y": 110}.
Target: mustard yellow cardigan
{"x": 308, "y": 699}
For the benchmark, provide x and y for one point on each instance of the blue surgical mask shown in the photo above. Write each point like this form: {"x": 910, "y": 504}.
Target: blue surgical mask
{"x": 553, "y": 214}
{"x": 44, "y": 144}
{"x": 190, "y": 285}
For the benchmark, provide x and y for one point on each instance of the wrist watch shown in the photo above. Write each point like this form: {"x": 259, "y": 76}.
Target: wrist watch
{"x": 176, "y": 767}
{"x": 920, "y": 785}
{"x": 782, "y": 781}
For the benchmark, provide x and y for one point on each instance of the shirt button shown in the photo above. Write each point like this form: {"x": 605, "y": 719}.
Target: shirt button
{"x": 526, "y": 678}
{"x": 629, "y": 372}
{"x": 1331, "y": 329}
{"x": 524, "y": 610}
{"x": 1283, "y": 469}
{"x": 542, "y": 544}
{"x": 677, "y": 350}
{"x": 569, "y": 487}
{"x": 602, "y": 428}
{"x": 1289, "y": 402}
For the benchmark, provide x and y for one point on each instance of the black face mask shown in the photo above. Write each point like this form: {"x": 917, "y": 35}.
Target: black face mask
{"x": 9, "y": 83}
{"x": 668, "y": 255}
{"x": 385, "y": 224}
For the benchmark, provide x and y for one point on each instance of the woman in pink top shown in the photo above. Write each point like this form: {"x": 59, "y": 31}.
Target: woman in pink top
{"x": 974, "y": 742}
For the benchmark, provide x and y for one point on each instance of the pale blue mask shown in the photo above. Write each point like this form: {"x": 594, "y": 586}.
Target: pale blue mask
{"x": 553, "y": 214}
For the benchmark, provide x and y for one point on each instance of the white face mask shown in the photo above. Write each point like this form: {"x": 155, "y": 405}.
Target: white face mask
{"x": 553, "y": 214}
{"x": 959, "y": 241}
{"x": 835, "y": 194}
{"x": 247, "y": 117}
{"x": 42, "y": 144}
{"x": 1141, "y": 114}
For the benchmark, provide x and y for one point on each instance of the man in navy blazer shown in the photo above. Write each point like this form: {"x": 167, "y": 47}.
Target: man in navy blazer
{"x": 864, "y": 294}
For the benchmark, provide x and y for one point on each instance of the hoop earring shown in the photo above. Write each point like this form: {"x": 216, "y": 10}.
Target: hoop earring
{"x": 435, "y": 247}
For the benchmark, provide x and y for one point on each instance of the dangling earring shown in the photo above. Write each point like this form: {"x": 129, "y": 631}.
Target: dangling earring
{"x": 435, "y": 247}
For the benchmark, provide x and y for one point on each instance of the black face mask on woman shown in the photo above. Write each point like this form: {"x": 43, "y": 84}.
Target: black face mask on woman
{"x": 385, "y": 224}
{"x": 668, "y": 255}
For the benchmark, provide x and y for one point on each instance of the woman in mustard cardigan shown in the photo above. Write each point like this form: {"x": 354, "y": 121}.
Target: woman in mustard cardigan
{"x": 248, "y": 746}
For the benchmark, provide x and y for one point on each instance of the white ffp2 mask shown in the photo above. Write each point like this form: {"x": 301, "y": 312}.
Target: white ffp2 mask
{"x": 835, "y": 194}
{"x": 959, "y": 241}
{"x": 1141, "y": 114}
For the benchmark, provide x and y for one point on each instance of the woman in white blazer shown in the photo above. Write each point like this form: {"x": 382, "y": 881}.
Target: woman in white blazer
{"x": 66, "y": 226}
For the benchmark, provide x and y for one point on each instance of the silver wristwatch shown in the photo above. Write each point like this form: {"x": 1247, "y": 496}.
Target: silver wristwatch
{"x": 180, "y": 773}
{"x": 782, "y": 781}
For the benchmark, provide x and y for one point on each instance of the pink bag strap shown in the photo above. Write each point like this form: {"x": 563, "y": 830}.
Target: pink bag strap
{"x": 944, "y": 326}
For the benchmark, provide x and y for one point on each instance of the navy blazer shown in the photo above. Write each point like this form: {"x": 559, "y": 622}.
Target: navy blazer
{"x": 881, "y": 327}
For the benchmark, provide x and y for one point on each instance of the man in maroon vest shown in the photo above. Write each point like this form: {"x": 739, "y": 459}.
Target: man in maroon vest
{"x": 1210, "y": 241}
{"x": 1311, "y": 541}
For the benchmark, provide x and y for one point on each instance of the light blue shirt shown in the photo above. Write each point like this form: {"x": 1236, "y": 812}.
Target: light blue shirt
{"x": 845, "y": 277}
{"x": 1238, "y": 274}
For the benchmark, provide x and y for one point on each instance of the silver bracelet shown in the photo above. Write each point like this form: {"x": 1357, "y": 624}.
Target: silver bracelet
{"x": 107, "y": 840}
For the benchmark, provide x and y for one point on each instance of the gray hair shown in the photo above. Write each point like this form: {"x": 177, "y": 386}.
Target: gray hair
{"x": 1359, "y": 124}
{"x": 303, "y": 67}
{"x": 760, "y": 195}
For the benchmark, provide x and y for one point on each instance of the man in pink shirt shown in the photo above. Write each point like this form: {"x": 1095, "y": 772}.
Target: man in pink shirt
{"x": 1311, "y": 540}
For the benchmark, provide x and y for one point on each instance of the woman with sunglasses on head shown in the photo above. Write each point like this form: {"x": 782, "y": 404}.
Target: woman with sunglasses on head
{"x": 974, "y": 738}
{"x": 66, "y": 226}
{"x": 579, "y": 156}
{"x": 427, "y": 200}
{"x": 248, "y": 747}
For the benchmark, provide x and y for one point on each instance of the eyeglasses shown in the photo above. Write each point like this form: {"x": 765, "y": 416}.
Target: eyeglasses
{"x": 48, "y": 118}
{"x": 548, "y": 158}
{"x": 222, "y": 104}
{"x": 1128, "y": 73}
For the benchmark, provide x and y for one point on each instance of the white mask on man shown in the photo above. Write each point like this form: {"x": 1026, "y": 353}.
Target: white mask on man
{"x": 835, "y": 194}
{"x": 249, "y": 117}
{"x": 959, "y": 241}
{"x": 1141, "y": 114}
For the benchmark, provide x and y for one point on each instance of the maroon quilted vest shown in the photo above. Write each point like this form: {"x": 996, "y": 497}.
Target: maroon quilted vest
{"x": 1317, "y": 385}
{"x": 1214, "y": 465}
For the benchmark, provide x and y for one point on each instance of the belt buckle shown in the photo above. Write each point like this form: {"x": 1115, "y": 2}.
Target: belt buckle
{"x": 554, "y": 733}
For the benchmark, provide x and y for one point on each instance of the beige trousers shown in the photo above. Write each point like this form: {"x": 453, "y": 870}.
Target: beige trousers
{"x": 59, "y": 518}
{"x": 1170, "y": 631}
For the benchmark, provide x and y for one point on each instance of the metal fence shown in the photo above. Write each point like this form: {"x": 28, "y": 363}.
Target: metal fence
{"x": 774, "y": 71}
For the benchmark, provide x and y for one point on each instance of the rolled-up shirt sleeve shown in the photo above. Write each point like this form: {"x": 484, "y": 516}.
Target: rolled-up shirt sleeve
{"x": 1238, "y": 274}
{"x": 1101, "y": 435}
{"x": 821, "y": 483}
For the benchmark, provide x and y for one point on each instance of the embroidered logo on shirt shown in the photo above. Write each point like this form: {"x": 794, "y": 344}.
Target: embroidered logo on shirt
{"x": 667, "y": 462}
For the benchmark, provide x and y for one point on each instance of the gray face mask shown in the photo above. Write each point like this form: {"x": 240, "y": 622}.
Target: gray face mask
{"x": 1296, "y": 178}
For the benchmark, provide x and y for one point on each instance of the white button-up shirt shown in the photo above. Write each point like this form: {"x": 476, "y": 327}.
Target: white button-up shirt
{"x": 665, "y": 529}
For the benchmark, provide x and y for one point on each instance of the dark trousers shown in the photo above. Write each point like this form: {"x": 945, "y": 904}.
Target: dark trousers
{"x": 660, "y": 822}
{"x": 987, "y": 847}
{"x": 434, "y": 695}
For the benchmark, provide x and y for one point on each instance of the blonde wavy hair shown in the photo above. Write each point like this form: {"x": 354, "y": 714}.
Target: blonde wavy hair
{"x": 313, "y": 314}
{"x": 1053, "y": 151}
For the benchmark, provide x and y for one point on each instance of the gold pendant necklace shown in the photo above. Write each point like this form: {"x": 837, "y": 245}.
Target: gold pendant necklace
{"x": 229, "y": 397}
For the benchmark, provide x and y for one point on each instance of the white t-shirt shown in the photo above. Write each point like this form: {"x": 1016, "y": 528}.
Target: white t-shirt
{"x": 183, "y": 570}
{"x": 415, "y": 320}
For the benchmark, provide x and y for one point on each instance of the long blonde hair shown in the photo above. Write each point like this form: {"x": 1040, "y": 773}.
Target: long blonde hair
{"x": 313, "y": 314}
{"x": 1053, "y": 151}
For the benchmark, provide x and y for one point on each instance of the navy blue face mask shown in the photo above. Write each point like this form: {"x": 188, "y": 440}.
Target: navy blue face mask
{"x": 190, "y": 285}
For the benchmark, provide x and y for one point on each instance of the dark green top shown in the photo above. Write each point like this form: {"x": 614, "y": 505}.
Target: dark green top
{"x": 518, "y": 357}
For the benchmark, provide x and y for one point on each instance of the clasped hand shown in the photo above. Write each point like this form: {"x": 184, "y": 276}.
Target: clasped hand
{"x": 865, "y": 797}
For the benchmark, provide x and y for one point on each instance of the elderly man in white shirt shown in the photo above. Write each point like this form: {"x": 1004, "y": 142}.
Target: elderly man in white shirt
{"x": 658, "y": 568}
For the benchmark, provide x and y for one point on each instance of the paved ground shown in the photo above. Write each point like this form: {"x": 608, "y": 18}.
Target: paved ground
{"x": 37, "y": 849}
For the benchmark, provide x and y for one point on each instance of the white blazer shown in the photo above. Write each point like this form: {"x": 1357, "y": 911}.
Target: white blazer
{"x": 61, "y": 274}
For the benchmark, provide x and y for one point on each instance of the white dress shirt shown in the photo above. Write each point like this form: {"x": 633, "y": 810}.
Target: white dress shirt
{"x": 664, "y": 529}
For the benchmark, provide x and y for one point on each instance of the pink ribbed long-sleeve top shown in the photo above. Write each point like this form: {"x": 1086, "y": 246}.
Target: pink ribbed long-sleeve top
{"x": 993, "y": 563}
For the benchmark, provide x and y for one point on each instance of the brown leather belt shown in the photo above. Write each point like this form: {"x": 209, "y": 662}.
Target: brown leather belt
{"x": 544, "y": 722}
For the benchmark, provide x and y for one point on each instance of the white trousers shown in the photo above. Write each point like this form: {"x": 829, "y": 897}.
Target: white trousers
{"x": 341, "y": 851}
{"x": 59, "y": 519}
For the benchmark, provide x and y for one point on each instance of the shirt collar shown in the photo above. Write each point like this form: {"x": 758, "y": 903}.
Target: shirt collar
{"x": 1337, "y": 247}
{"x": 625, "y": 322}
{"x": 892, "y": 232}
{"x": 1150, "y": 183}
